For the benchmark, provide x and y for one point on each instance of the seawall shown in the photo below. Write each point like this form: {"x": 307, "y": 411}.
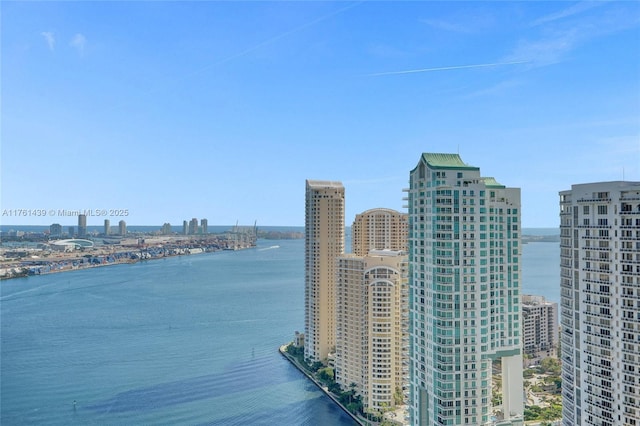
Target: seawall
{"x": 292, "y": 360}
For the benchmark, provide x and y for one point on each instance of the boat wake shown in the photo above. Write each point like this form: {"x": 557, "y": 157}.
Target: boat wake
{"x": 269, "y": 248}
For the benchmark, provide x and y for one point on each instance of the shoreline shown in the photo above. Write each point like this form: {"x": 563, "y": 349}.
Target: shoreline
{"x": 66, "y": 262}
{"x": 294, "y": 362}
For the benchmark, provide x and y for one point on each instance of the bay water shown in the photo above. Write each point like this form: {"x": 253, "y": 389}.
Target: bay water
{"x": 185, "y": 340}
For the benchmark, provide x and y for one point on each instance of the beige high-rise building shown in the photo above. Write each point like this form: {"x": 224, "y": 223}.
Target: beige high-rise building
{"x": 379, "y": 229}
{"x": 372, "y": 327}
{"x": 324, "y": 242}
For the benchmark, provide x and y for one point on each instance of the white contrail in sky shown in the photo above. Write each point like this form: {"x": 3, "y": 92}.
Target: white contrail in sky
{"x": 458, "y": 67}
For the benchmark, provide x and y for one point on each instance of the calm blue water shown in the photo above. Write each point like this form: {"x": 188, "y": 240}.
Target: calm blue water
{"x": 541, "y": 270}
{"x": 190, "y": 340}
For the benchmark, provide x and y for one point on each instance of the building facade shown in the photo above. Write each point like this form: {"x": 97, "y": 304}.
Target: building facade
{"x": 464, "y": 262}
{"x": 204, "y": 226}
{"x": 55, "y": 230}
{"x": 107, "y": 227}
{"x": 166, "y": 229}
{"x": 193, "y": 226}
{"x": 379, "y": 229}
{"x": 122, "y": 227}
{"x": 600, "y": 303}
{"x": 372, "y": 327}
{"x": 324, "y": 242}
{"x": 82, "y": 225}
{"x": 540, "y": 334}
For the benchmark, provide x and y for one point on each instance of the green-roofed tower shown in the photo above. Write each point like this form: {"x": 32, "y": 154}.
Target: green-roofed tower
{"x": 465, "y": 293}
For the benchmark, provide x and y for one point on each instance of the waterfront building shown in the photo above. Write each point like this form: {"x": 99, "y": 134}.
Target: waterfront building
{"x": 72, "y": 231}
{"x": 372, "y": 310}
{"x": 193, "y": 226}
{"x": 55, "y": 230}
{"x": 204, "y": 226}
{"x": 379, "y": 229}
{"x": 122, "y": 227}
{"x": 324, "y": 242}
{"x": 82, "y": 225}
{"x": 372, "y": 327}
{"x": 600, "y": 303}
{"x": 185, "y": 227}
{"x": 539, "y": 329}
{"x": 107, "y": 227}
{"x": 464, "y": 262}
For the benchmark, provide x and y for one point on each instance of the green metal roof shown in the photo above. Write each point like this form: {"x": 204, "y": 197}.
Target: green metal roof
{"x": 492, "y": 183}
{"x": 446, "y": 161}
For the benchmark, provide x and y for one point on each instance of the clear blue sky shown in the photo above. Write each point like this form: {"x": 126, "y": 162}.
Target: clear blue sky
{"x": 175, "y": 110}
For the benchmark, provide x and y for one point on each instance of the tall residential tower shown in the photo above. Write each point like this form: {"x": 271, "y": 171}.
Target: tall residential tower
{"x": 372, "y": 308}
{"x": 379, "y": 229}
{"x": 82, "y": 225}
{"x": 600, "y": 303}
{"x": 464, "y": 260}
{"x": 324, "y": 242}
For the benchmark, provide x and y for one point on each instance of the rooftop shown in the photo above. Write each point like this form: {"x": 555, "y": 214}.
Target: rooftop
{"x": 491, "y": 182}
{"x": 446, "y": 161}
{"x": 324, "y": 184}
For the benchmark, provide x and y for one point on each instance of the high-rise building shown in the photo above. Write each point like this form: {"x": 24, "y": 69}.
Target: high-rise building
{"x": 82, "y": 225}
{"x": 464, "y": 262}
{"x": 72, "y": 231}
{"x": 324, "y": 242}
{"x": 122, "y": 228}
{"x": 55, "y": 230}
{"x": 204, "y": 226}
{"x": 185, "y": 227}
{"x": 372, "y": 321}
{"x": 379, "y": 229}
{"x": 107, "y": 227}
{"x": 539, "y": 328}
{"x": 372, "y": 327}
{"x": 166, "y": 229}
{"x": 600, "y": 303}
{"x": 193, "y": 226}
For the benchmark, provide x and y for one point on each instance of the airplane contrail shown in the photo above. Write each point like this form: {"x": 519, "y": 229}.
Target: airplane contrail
{"x": 458, "y": 67}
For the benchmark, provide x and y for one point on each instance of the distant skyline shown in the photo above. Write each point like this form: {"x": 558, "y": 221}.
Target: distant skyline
{"x": 222, "y": 110}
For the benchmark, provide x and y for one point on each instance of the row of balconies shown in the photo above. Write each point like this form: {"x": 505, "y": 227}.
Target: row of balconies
{"x": 602, "y": 374}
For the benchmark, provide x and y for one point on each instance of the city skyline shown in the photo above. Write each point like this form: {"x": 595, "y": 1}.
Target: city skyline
{"x": 175, "y": 108}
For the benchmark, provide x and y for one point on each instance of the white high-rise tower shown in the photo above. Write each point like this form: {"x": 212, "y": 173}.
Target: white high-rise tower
{"x": 600, "y": 303}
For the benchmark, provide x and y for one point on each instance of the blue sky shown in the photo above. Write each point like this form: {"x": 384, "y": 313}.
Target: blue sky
{"x": 175, "y": 110}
